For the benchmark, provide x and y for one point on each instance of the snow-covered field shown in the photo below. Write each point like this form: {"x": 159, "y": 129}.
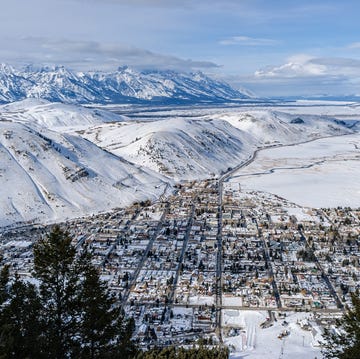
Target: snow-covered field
{"x": 248, "y": 340}
{"x": 322, "y": 173}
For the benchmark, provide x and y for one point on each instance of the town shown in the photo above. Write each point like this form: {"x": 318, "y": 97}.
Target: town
{"x": 178, "y": 264}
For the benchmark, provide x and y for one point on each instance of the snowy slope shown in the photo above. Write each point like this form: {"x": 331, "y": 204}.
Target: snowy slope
{"x": 322, "y": 173}
{"x": 55, "y": 115}
{"x": 274, "y": 127}
{"x": 58, "y": 84}
{"x": 48, "y": 176}
{"x": 196, "y": 148}
{"x": 61, "y": 161}
{"x": 180, "y": 148}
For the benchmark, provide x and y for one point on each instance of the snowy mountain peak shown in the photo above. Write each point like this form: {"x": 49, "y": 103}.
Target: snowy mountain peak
{"x": 125, "y": 85}
{"x": 6, "y": 69}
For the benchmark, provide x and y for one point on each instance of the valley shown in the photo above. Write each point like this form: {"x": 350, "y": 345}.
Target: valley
{"x": 316, "y": 174}
{"x": 197, "y": 242}
{"x": 180, "y": 179}
{"x": 218, "y": 262}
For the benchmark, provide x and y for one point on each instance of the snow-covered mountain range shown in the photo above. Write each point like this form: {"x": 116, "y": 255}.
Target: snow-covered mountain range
{"x": 126, "y": 85}
{"x": 61, "y": 161}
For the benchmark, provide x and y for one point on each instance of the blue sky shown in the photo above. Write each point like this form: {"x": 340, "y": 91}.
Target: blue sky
{"x": 271, "y": 47}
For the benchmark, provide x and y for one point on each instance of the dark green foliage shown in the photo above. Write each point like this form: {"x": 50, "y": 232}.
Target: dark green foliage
{"x": 21, "y": 326}
{"x": 306, "y": 255}
{"x": 4, "y": 280}
{"x": 104, "y": 333}
{"x": 127, "y": 348}
{"x": 70, "y": 315}
{"x": 345, "y": 342}
{"x": 182, "y": 353}
{"x": 59, "y": 275}
{"x": 97, "y": 328}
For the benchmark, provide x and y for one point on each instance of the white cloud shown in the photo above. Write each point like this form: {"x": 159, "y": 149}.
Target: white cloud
{"x": 338, "y": 63}
{"x": 248, "y": 41}
{"x": 308, "y": 75}
{"x": 84, "y": 55}
{"x": 299, "y": 66}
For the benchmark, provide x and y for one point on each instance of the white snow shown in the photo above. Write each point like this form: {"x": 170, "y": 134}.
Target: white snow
{"x": 58, "y": 116}
{"x": 323, "y": 173}
{"x": 208, "y": 145}
{"x": 51, "y": 167}
{"x": 254, "y": 342}
{"x": 201, "y": 300}
{"x": 179, "y": 148}
{"x": 46, "y": 176}
{"x": 61, "y": 84}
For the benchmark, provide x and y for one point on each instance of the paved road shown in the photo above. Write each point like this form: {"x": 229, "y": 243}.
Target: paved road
{"x": 324, "y": 276}
{"x": 255, "y": 309}
{"x": 229, "y": 174}
{"x": 183, "y": 250}
{"x": 219, "y": 256}
{"x": 219, "y": 266}
{"x": 145, "y": 254}
{"x": 271, "y": 274}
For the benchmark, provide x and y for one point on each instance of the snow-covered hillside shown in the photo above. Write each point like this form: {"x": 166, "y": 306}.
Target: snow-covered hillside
{"x": 179, "y": 148}
{"x": 46, "y": 176}
{"x": 36, "y": 112}
{"x": 195, "y": 148}
{"x": 61, "y": 161}
{"x": 275, "y": 127}
{"x": 125, "y": 85}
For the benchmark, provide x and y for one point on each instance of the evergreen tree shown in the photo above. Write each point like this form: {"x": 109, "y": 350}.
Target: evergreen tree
{"x": 127, "y": 348}
{"x": 59, "y": 274}
{"x": 20, "y": 324}
{"x": 81, "y": 318}
{"x": 4, "y": 295}
{"x": 70, "y": 314}
{"x": 96, "y": 330}
{"x": 104, "y": 333}
{"x": 4, "y": 281}
{"x": 344, "y": 343}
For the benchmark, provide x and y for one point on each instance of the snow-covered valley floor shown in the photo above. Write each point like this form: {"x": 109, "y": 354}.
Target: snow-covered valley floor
{"x": 322, "y": 173}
